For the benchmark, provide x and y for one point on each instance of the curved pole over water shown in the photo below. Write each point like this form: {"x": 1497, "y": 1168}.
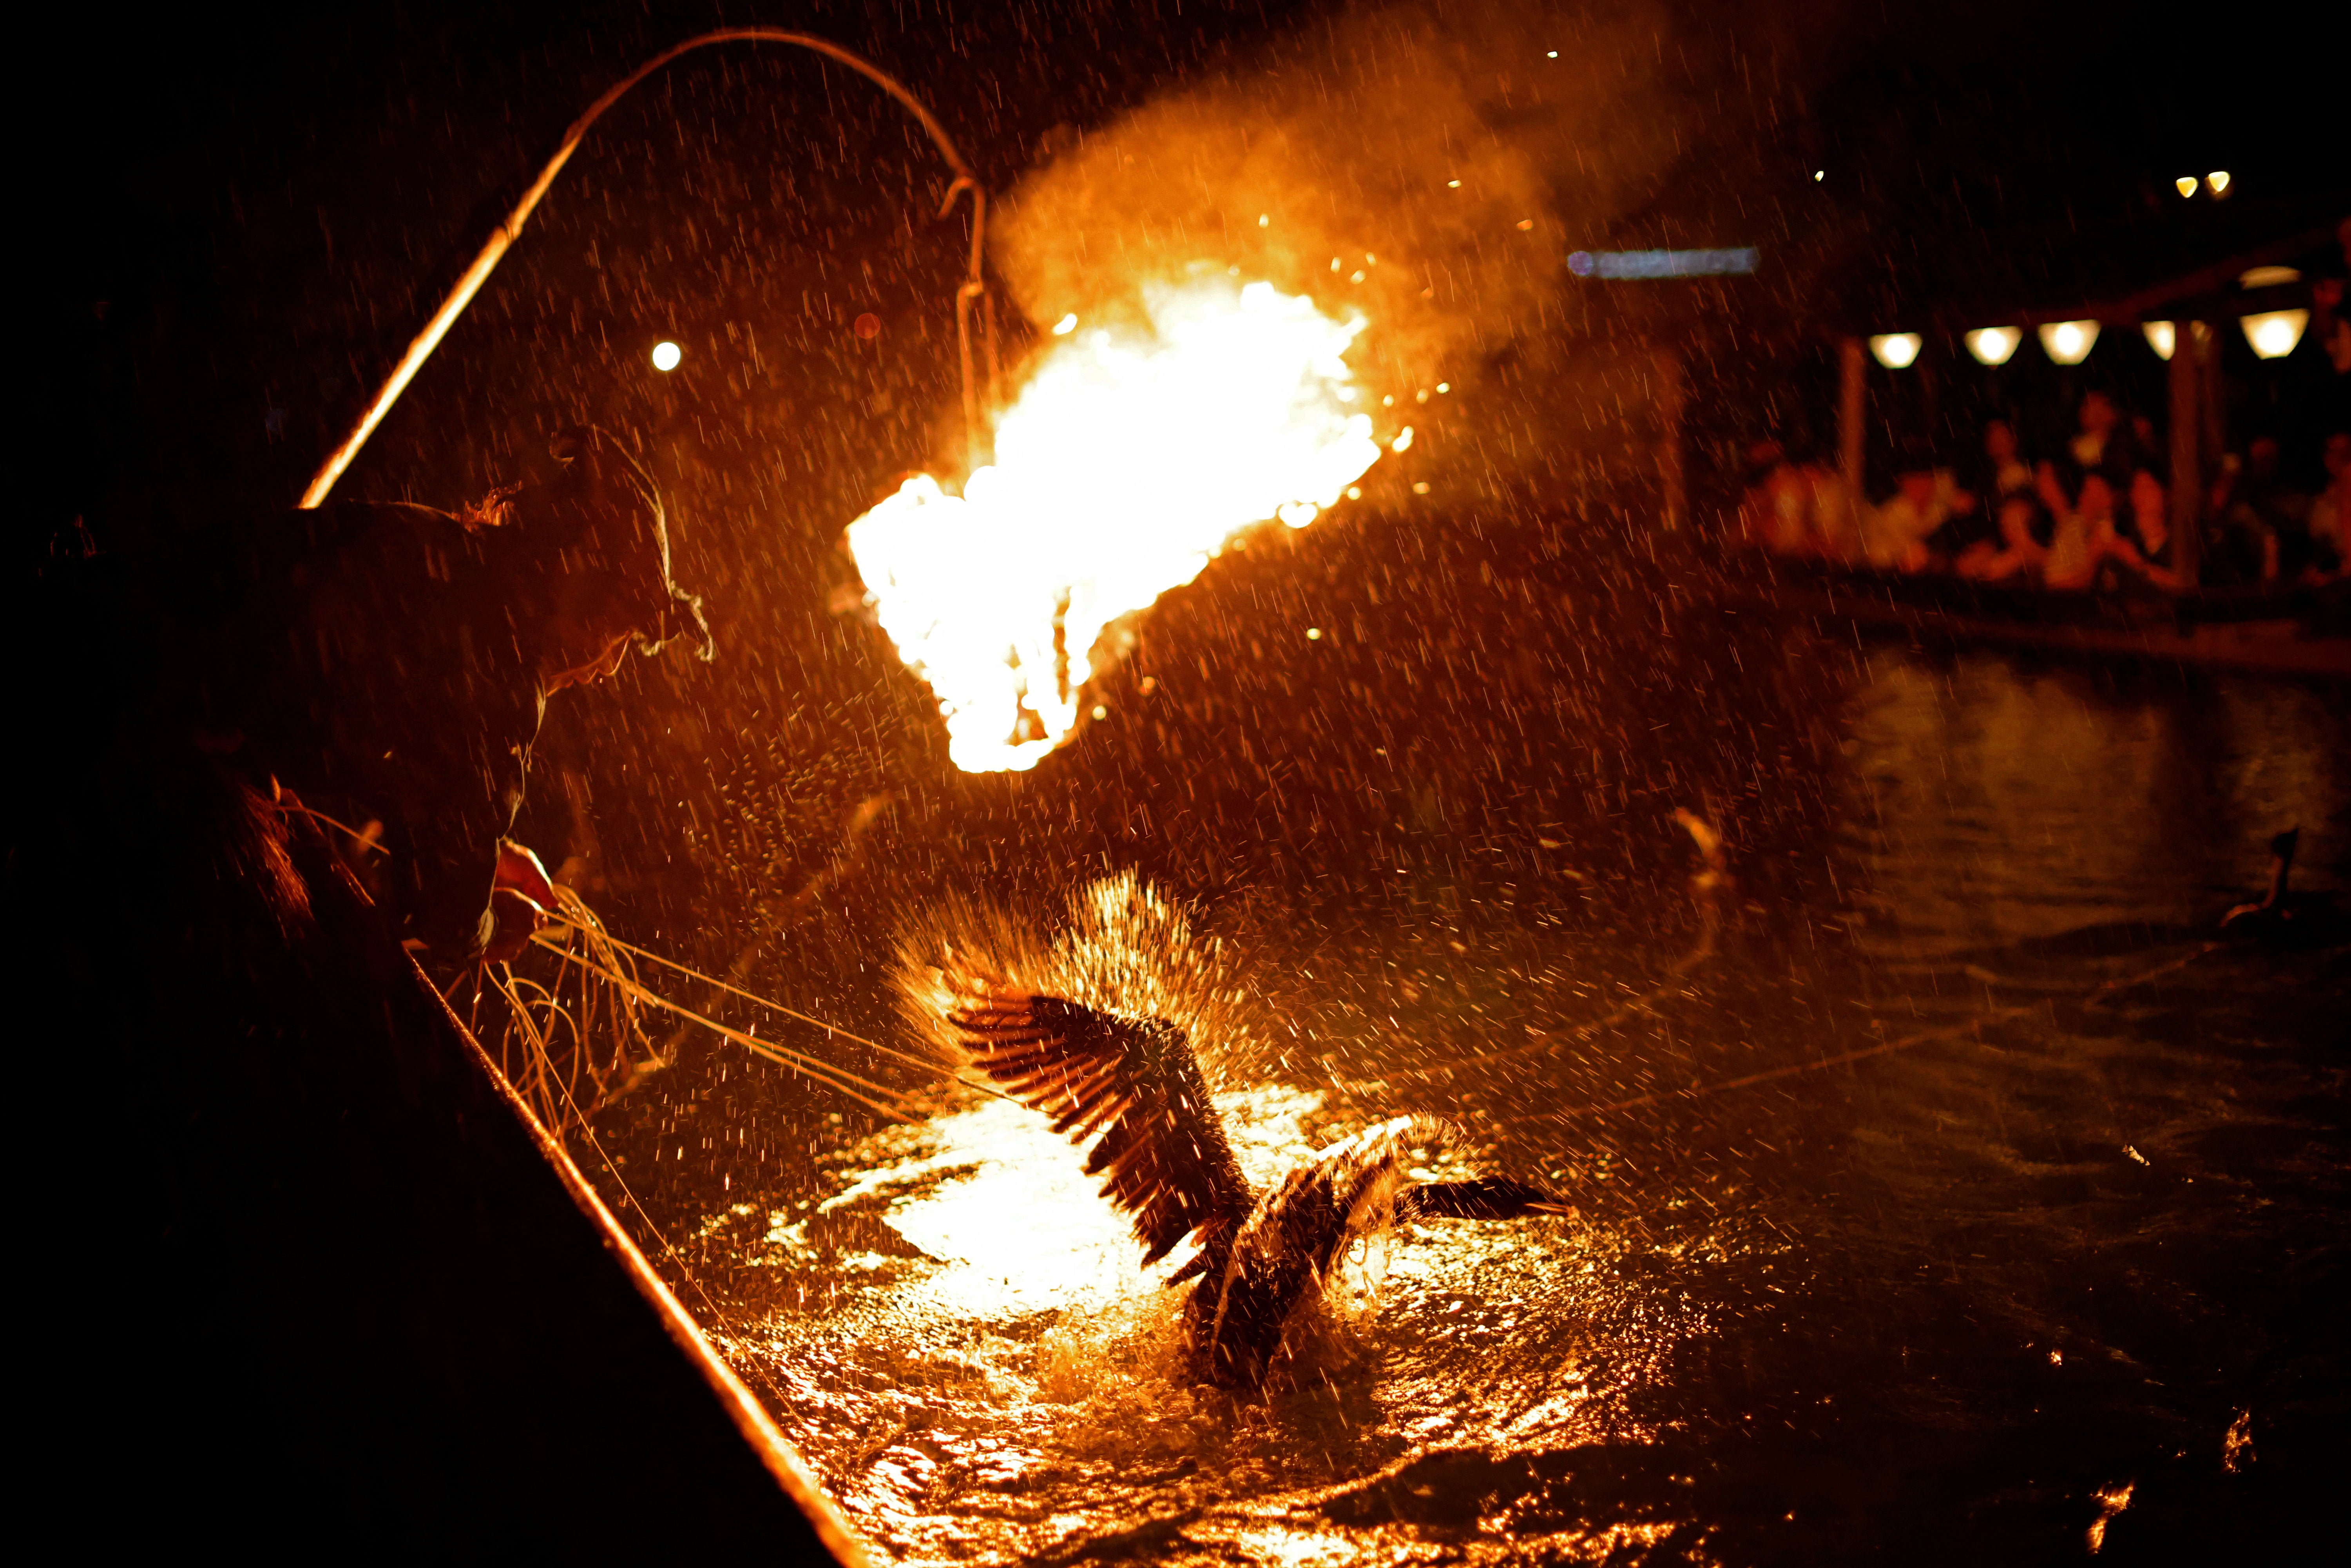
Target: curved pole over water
{"x": 462, "y": 293}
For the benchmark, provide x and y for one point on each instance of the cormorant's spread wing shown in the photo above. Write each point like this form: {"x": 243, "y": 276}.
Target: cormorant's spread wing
{"x": 1167, "y": 1164}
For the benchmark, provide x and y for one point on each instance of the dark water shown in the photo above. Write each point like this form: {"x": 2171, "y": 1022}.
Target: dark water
{"x": 2052, "y": 1264}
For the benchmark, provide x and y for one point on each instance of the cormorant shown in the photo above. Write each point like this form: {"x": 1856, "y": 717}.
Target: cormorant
{"x": 2285, "y": 918}
{"x": 1168, "y": 1165}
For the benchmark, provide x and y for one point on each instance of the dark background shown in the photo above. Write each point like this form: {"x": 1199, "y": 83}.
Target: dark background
{"x": 239, "y": 219}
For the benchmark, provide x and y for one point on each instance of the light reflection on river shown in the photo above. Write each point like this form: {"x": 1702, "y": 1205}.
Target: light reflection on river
{"x": 2077, "y": 1233}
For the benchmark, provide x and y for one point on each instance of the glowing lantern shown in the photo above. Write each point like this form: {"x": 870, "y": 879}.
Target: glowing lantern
{"x": 1894, "y": 350}
{"x": 2161, "y": 336}
{"x": 2068, "y": 342}
{"x": 2185, "y": 185}
{"x": 667, "y": 356}
{"x": 1995, "y": 345}
{"x": 2273, "y": 333}
{"x": 2218, "y": 180}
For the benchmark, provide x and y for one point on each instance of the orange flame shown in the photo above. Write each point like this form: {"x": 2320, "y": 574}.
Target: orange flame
{"x": 1125, "y": 466}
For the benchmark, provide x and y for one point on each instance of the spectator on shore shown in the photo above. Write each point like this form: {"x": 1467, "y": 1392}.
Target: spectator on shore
{"x": 1794, "y": 509}
{"x": 2021, "y": 550}
{"x": 1836, "y": 531}
{"x": 2070, "y": 564}
{"x": 2264, "y": 522}
{"x": 2145, "y": 523}
{"x": 1896, "y": 535}
{"x": 2103, "y": 444}
{"x": 2088, "y": 539}
{"x": 1983, "y": 544}
{"x": 1776, "y": 513}
{"x": 2003, "y": 473}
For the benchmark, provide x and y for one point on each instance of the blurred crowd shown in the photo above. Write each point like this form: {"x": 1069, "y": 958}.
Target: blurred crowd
{"x": 2093, "y": 514}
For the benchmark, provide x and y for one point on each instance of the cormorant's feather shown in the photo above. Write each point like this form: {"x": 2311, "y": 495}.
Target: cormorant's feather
{"x": 1137, "y": 1082}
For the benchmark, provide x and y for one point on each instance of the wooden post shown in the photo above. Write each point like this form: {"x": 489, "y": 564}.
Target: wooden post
{"x": 1853, "y": 397}
{"x": 2211, "y": 394}
{"x": 1672, "y": 399}
{"x": 2187, "y": 471}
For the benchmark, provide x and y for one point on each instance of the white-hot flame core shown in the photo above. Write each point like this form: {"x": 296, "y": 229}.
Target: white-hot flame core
{"x": 1121, "y": 471}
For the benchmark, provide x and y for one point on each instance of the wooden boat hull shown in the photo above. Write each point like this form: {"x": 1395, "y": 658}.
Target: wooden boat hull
{"x": 311, "y": 1279}
{"x": 2301, "y": 635}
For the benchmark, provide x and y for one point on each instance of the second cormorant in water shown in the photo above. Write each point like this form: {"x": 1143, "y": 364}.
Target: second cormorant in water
{"x": 1168, "y": 1165}
{"x": 2285, "y": 918}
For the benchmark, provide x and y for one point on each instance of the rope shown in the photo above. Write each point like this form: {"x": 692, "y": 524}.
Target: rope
{"x": 1677, "y": 984}
{"x": 2091, "y": 1003}
{"x": 2091, "y": 1000}
{"x": 823, "y": 1071}
{"x": 1702, "y": 1091}
{"x": 686, "y": 1270}
{"x": 834, "y": 1078}
{"x": 927, "y": 1063}
{"x": 2097, "y": 997}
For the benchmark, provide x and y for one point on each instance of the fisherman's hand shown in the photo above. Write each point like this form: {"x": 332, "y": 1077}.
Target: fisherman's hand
{"x": 522, "y": 896}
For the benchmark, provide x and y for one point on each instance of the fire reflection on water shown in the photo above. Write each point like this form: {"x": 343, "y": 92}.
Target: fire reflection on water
{"x": 961, "y": 1340}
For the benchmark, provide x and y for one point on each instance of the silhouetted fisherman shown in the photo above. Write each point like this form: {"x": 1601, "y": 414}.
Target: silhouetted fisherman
{"x": 390, "y": 664}
{"x": 1170, "y": 1168}
{"x": 312, "y": 1239}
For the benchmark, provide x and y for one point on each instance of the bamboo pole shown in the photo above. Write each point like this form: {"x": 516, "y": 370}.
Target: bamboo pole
{"x": 462, "y": 293}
